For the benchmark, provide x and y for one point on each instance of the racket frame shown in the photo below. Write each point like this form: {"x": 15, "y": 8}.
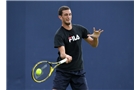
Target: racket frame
{"x": 51, "y": 69}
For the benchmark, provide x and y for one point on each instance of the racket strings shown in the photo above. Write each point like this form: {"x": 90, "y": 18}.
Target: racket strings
{"x": 45, "y": 67}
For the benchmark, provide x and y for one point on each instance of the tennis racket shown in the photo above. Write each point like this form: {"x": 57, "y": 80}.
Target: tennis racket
{"x": 46, "y": 68}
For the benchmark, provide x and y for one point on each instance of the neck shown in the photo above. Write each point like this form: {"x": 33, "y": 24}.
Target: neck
{"x": 67, "y": 27}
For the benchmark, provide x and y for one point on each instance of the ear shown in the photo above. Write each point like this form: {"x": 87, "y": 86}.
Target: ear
{"x": 60, "y": 17}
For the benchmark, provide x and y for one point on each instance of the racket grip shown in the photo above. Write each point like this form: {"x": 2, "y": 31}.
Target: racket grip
{"x": 63, "y": 61}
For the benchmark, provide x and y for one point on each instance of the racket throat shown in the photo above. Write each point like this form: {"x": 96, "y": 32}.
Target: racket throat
{"x": 51, "y": 70}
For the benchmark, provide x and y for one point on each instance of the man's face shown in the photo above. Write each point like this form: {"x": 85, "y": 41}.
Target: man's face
{"x": 66, "y": 17}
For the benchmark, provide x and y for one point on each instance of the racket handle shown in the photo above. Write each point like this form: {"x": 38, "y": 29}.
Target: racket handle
{"x": 63, "y": 61}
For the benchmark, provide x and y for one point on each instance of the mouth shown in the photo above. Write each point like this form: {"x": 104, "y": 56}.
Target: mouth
{"x": 68, "y": 20}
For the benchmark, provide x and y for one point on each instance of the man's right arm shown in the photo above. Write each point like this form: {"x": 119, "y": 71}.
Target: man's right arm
{"x": 64, "y": 55}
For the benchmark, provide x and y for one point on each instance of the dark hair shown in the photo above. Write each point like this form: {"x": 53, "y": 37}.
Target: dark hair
{"x": 62, "y": 8}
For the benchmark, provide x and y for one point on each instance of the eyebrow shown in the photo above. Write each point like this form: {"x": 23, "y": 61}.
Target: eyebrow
{"x": 67, "y": 13}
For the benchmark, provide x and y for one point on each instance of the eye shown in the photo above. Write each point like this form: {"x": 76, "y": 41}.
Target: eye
{"x": 66, "y": 14}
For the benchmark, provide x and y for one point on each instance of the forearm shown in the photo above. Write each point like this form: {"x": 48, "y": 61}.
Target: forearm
{"x": 62, "y": 52}
{"x": 95, "y": 42}
{"x": 64, "y": 55}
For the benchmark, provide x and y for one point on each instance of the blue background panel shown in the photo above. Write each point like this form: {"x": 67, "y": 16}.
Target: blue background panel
{"x": 31, "y": 26}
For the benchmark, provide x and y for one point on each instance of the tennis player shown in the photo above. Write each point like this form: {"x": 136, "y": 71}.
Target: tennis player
{"x": 68, "y": 39}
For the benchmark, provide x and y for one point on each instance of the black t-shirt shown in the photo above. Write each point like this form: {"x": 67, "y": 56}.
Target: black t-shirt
{"x": 71, "y": 40}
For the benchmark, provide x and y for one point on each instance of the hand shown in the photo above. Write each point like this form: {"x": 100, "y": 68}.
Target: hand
{"x": 96, "y": 33}
{"x": 69, "y": 58}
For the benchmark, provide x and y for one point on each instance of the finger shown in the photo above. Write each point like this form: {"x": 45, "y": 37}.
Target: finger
{"x": 101, "y": 30}
{"x": 94, "y": 29}
{"x": 89, "y": 35}
{"x": 67, "y": 61}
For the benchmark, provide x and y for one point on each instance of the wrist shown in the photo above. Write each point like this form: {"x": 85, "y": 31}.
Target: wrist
{"x": 63, "y": 56}
{"x": 94, "y": 37}
{"x": 66, "y": 56}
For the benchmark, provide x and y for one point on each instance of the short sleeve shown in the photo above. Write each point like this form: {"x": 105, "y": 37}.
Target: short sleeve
{"x": 58, "y": 41}
{"x": 85, "y": 33}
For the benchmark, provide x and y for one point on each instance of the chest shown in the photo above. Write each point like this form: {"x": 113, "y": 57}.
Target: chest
{"x": 72, "y": 36}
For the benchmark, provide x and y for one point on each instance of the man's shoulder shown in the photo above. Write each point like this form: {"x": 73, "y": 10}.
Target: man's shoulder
{"x": 78, "y": 25}
{"x": 59, "y": 30}
{"x": 81, "y": 27}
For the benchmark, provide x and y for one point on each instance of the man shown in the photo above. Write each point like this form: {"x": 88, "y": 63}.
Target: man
{"x": 68, "y": 40}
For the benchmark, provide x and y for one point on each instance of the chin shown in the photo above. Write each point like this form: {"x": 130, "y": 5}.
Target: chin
{"x": 68, "y": 23}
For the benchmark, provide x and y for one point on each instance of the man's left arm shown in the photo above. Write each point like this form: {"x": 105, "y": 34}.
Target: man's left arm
{"x": 93, "y": 39}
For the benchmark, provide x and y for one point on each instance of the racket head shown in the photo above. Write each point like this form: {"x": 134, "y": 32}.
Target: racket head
{"x": 46, "y": 68}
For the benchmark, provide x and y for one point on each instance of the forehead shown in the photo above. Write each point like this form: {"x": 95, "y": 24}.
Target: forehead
{"x": 66, "y": 11}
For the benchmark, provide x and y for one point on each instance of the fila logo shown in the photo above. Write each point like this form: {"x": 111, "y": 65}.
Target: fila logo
{"x": 74, "y": 38}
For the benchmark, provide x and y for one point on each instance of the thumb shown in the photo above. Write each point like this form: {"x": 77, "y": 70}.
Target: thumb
{"x": 89, "y": 35}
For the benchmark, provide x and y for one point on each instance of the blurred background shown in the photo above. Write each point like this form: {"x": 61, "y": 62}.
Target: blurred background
{"x": 31, "y": 26}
